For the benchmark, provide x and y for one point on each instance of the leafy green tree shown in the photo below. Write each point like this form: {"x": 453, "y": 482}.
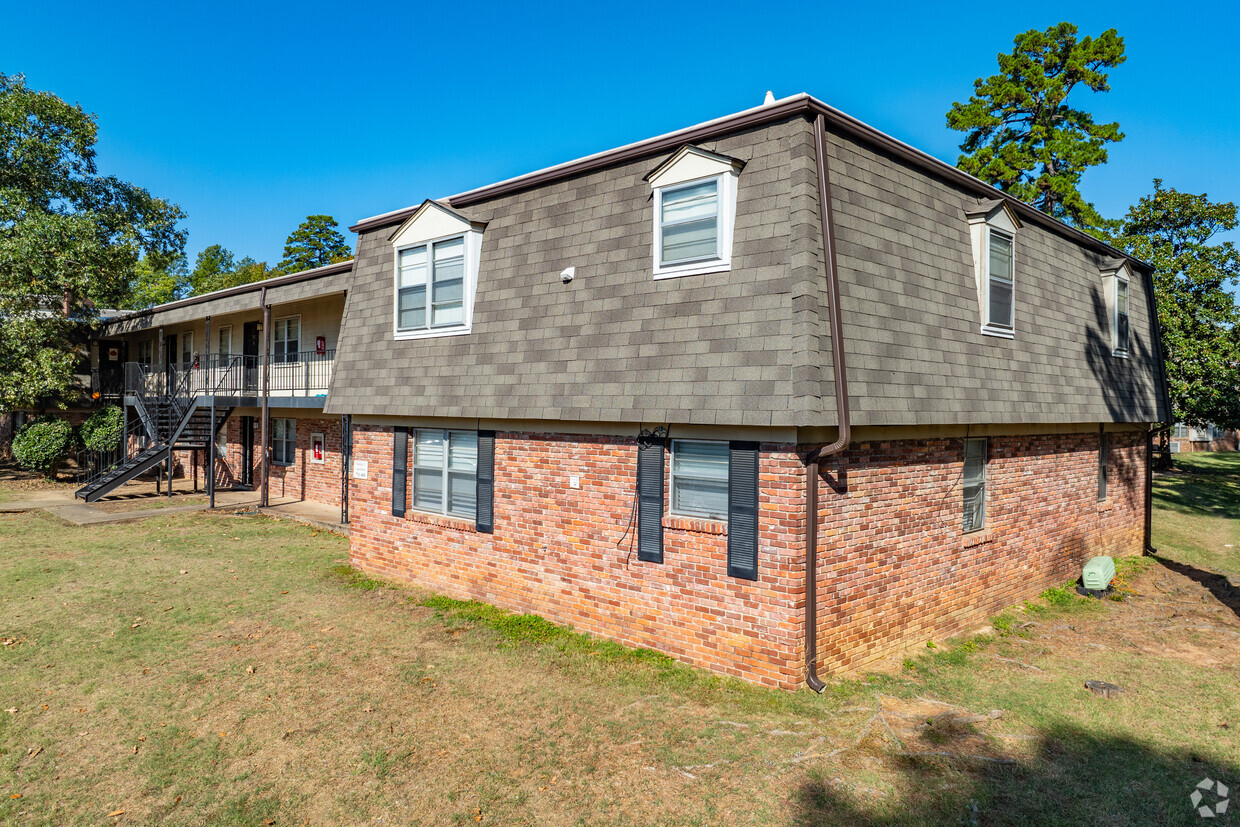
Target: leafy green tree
{"x": 216, "y": 268}
{"x": 1022, "y": 136}
{"x": 150, "y": 286}
{"x": 70, "y": 240}
{"x": 315, "y": 243}
{"x": 43, "y": 445}
{"x": 1197, "y": 314}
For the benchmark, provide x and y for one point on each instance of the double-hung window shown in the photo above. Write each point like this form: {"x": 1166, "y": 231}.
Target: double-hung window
{"x": 224, "y": 347}
{"x": 431, "y": 286}
{"x": 1121, "y": 316}
{"x": 999, "y": 281}
{"x": 146, "y": 352}
{"x": 689, "y": 223}
{"x": 286, "y": 339}
{"x": 974, "y": 484}
{"x": 187, "y": 348}
{"x": 445, "y": 472}
{"x": 283, "y": 441}
{"x": 699, "y": 486}
{"x": 1180, "y": 431}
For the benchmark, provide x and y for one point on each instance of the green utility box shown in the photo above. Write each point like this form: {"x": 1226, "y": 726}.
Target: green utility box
{"x": 1098, "y": 573}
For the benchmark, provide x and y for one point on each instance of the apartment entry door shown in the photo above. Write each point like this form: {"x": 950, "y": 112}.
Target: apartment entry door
{"x": 249, "y": 350}
{"x": 247, "y": 452}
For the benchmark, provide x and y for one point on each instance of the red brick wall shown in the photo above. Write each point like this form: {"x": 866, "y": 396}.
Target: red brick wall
{"x": 303, "y": 480}
{"x": 1229, "y": 442}
{"x": 894, "y": 566}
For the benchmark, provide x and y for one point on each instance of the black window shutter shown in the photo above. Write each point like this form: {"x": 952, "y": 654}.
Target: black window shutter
{"x": 743, "y": 510}
{"x": 400, "y": 469}
{"x": 485, "y": 519}
{"x": 650, "y": 500}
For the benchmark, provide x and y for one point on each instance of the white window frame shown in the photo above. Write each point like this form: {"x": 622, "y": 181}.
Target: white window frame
{"x": 991, "y": 328}
{"x": 428, "y": 330}
{"x": 671, "y": 486}
{"x": 1116, "y": 349}
{"x": 964, "y": 503}
{"x": 431, "y": 224}
{"x": 445, "y": 478}
{"x": 275, "y": 325}
{"x": 1179, "y": 431}
{"x": 187, "y": 347}
{"x": 688, "y": 167}
{"x": 146, "y": 352}
{"x": 220, "y": 337}
{"x": 991, "y": 217}
{"x": 289, "y": 443}
{"x": 725, "y": 214}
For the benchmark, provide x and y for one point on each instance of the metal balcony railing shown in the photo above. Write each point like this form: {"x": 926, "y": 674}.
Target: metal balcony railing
{"x": 304, "y": 374}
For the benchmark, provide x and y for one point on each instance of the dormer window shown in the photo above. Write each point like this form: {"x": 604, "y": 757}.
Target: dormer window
{"x": 1121, "y": 316}
{"x": 436, "y": 273}
{"x": 999, "y": 281}
{"x": 694, "y": 194}
{"x": 993, "y": 227}
{"x": 1116, "y": 277}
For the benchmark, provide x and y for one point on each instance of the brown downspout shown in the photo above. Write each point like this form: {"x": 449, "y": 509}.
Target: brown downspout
{"x": 266, "y": 413}
{"x": 827, "y": 217}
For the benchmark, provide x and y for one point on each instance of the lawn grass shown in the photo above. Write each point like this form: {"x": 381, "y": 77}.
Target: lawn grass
{"x": 233, "y": 670}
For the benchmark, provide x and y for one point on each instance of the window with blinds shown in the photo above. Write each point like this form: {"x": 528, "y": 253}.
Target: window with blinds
{"x": 974, "y": 484}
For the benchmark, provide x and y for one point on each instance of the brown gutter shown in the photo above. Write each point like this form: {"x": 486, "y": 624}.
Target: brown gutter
{"x": 827, "y": 217}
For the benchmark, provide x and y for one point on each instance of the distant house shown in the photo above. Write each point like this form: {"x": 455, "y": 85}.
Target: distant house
{"x": 775, "y": 394}
{"x": 1187, "y": 438}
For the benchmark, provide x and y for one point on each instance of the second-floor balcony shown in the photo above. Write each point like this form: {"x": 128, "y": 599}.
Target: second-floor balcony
{"x": 304, "y": 375}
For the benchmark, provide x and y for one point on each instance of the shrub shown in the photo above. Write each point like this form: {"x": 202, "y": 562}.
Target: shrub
{"x": 104, "y": 429}
{"x": 43, "y": 445}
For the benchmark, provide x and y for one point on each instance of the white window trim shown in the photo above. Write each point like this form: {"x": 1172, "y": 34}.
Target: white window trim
{"x": 290, "y": 463}
{"x": 671, "y": 482}
{"x": 987, "y": 327}
{"x": 187, "y": 338}
{"x": 276, "y": 323}
{"x": 473, "y": 246}
{"x": 444, "y": 480}
{"x": 227, "y": 327}
{"x": 1121, "y": 277}
{"x": 726, "y": 223}
{"x": 998, "y": 217}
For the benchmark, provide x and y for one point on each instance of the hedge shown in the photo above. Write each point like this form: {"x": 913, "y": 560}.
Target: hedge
{"x": 43, "y": 445}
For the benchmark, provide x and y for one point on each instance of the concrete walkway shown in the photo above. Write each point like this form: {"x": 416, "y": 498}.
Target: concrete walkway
{"x": 64, "y": 506}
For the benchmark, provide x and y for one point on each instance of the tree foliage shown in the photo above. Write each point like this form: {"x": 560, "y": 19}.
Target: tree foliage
{"x": 43, "y": 445}
{"x": 103, "y": 430}
{"x": 315, "y": 243}
{"x": 150, "y": 285}
{"x": 216, "y": 268}
{"x": 1022, "y": 136}
{"x": 69, "y": 238}
{"x": 1197, "y": 314}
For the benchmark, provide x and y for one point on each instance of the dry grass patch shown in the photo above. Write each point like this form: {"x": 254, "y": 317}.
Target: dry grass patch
{"x": 233, "y": 670}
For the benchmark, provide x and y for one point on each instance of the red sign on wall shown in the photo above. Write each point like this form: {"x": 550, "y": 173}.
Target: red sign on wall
{"x": 320, "y": 345}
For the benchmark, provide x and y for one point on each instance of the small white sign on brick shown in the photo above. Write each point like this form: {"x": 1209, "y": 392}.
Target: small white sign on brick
{"x": 360, "y": 469}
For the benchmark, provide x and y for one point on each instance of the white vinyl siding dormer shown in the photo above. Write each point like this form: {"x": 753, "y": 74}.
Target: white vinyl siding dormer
{"x": 694, "y": 199}
{"x": 993, "y": 228}
{"x": 1117, "y": 282}
{"x": 435, "y": 273}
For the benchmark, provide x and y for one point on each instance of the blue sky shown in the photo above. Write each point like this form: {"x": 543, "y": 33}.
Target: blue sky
{"x": 253, "y": 115}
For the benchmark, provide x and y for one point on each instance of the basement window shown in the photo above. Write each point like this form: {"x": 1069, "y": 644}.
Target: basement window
{"x": 1104, "y": 453}
{"x": 699, "y": 485}
{"x": 445, "y": 472}
{"x": 974, "y": 484}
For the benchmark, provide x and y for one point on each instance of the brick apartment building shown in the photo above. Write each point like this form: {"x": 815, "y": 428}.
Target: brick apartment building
{"x": 775, "y": 394}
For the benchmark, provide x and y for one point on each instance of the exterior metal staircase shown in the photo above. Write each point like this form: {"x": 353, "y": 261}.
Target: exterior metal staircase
{"x": 170, "y": 417}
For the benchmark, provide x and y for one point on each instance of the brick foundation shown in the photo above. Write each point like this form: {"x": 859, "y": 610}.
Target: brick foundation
{"x": 895, "y": 568}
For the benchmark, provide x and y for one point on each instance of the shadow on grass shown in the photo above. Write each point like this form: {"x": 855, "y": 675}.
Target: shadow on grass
{"x": 1201, "y": 484}
{"x": 1077, "y": 777}
{"x": 1217, "y": 584}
